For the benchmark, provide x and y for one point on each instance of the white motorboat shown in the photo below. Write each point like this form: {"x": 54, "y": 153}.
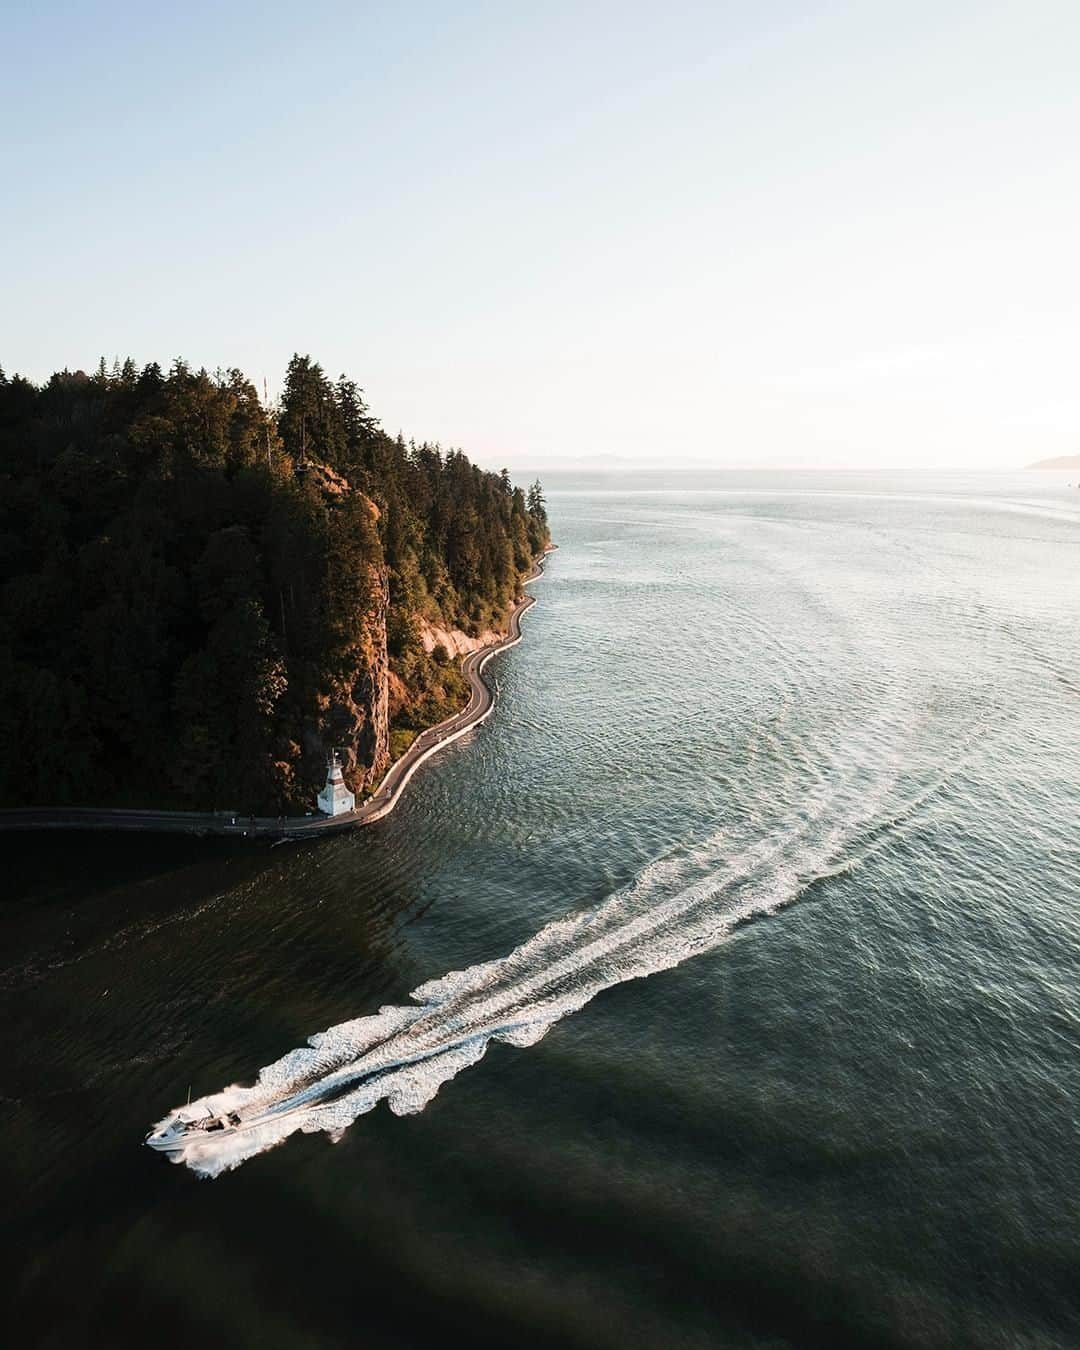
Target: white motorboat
{"x": 178, "y": 1131}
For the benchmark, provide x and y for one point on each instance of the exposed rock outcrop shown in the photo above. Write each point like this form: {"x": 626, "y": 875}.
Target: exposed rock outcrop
{"x": 454, "y": 640}
{"x": 329, "y": 481}
{"x": 353, "y": 717}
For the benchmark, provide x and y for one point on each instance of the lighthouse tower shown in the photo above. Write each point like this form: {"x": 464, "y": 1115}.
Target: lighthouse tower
{"x": 335, "y": 798}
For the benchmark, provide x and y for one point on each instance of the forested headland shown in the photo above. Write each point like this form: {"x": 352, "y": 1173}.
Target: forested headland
{"x": 200, "y": 593}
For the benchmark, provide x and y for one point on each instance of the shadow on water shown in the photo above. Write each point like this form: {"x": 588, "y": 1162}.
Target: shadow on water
{"x": 215, "y": 959}
{"x": 68, "y": 866}
{"x": 117, "y": 1247}
{"x": 287, "y": 1255}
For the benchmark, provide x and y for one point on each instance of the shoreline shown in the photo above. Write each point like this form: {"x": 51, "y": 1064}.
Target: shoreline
{"x": 228, "y": 824}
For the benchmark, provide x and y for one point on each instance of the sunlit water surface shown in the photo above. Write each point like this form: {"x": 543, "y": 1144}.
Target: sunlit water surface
{"x": 728, "y": 974}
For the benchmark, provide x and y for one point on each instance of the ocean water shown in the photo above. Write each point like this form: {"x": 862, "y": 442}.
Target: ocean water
{"x": 723, "y": 989}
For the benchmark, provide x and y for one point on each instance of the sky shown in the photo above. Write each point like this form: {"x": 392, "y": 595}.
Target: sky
{"x": 561, "y": 235}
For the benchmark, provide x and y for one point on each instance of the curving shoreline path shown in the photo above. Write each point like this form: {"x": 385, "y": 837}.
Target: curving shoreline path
{"x": 227, "y": 823}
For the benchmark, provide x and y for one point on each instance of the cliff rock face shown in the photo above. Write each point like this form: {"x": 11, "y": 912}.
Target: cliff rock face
{"x": 354, "y": 717}
{"x": 456, "y": 642}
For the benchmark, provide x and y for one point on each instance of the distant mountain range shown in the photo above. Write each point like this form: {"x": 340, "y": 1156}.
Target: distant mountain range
{"x": 1059, "y": 462}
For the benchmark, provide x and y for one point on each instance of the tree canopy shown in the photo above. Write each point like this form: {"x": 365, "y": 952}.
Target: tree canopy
{"x": 186, "y": 572}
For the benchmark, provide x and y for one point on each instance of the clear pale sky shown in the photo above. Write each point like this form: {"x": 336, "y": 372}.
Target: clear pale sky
{"x": 765, "y": 233}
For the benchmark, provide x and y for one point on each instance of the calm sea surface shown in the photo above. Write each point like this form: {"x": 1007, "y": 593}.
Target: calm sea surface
{"x": 731, "y": 972}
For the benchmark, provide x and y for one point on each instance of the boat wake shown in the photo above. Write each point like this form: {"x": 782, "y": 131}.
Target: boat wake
{"x": 838, "y": 772}
{"x": 679, "y": 906}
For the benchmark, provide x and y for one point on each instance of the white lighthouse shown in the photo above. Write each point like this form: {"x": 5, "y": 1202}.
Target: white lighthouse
{"x": 335, "y": 799}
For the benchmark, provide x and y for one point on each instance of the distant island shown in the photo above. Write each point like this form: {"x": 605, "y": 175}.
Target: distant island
{"x": 1060, "y": 462}
{"x": 201, "y": 595}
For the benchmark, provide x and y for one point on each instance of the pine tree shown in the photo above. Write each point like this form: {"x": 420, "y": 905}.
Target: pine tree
{"x": 357, "y": 423}
{"x": 537, "y": 505}
{"x": 311, "y": 423}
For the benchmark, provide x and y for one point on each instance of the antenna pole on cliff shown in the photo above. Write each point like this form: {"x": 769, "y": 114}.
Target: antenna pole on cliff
{"x": 266, "y": 418}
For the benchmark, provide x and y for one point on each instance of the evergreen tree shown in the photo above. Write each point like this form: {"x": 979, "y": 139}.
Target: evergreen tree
{"x": 536, "y": 504}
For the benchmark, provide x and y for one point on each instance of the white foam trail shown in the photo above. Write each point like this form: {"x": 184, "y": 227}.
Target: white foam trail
{"x": 837, "y": 799}
{"x": 678, "y": 907}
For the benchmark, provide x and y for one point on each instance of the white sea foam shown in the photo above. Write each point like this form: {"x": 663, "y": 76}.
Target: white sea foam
{"x": 679, "y": 906}
{"x": 827, "y": 793}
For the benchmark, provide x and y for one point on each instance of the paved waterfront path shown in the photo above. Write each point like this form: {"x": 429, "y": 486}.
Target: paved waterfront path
{"x": 228, "y": 823}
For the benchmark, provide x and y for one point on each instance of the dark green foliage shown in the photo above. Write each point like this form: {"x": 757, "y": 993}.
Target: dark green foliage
{"x": 176, "y": 599}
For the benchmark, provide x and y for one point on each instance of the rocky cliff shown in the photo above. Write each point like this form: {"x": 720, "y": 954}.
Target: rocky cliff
{"x": 454, "y": 641}
{"x": 353, "y": 716}
{"x": 356, "y": 712}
